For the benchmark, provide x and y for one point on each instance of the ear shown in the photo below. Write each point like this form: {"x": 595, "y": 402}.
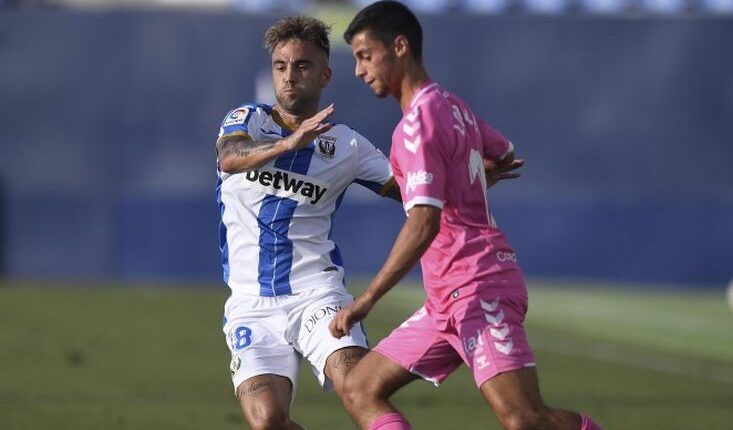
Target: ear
{"x": 326, "y": 77}
{"x": 401, "y": 46}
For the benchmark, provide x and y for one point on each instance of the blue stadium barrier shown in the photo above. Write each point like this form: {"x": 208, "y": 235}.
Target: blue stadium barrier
{"x": 108, "y": 120}
{"x": 3, "y": 226}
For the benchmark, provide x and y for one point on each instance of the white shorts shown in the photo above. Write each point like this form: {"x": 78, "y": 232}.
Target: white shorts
{"x": 269, "y": 335}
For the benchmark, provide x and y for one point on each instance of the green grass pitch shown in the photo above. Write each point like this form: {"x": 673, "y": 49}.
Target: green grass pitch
{"x": 74, "y": 357}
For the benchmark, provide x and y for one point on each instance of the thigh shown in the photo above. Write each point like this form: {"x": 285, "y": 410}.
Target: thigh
{"x": 512, "y": 391}
{"x": 489, "y": 335}
{"x": 255, "y": 333}
{"x": 329, "y": 357}
{"x": 340, "y": 363}
{"x": 265, "y": 398}
{"x": 379, "y": 375}
{"x": 420, "y": 348}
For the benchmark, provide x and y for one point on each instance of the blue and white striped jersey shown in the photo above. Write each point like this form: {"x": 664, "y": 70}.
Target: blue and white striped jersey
{"x": 276, "y": 221}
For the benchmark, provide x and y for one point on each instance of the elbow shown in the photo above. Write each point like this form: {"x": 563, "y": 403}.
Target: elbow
{"x": 431, "y": 230}
{"x": 231, "y": 165}
{"x": 435, "y": 227}
{"x": 226, "y": 166}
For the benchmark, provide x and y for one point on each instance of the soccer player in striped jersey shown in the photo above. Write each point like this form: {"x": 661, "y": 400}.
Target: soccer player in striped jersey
{"x": 283, "y": 171}
{"x": 476, "y": 295}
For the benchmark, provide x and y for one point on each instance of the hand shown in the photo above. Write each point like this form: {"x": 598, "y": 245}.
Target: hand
{"x": 348, "y": 316}
{"x": 309, "y": 130}
{"x": 496, "y": 172}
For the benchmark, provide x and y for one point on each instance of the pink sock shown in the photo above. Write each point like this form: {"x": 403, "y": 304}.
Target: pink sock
{"x": 391, "y": 421}
{"x": 587, "y": 424}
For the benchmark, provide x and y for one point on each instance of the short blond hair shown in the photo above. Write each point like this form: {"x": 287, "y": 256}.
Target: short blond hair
{"x": 304, "y": 28}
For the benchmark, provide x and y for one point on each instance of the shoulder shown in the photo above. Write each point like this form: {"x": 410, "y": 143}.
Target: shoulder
{"x": 239, "y": 120}
{"x": 348, "y": 135}
{"x": 245, "y": 112}
{"x": 432, "y": 107}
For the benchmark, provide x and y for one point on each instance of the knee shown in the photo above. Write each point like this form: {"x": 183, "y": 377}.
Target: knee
{"x": 524, "y": 420}
{"x": 351, "y": 393}
{"x": 268, "y": 420}
{"x": 357, "y": 392}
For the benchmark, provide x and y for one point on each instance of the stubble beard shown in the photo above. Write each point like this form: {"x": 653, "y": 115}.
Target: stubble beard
{"x": 297, "y": 105}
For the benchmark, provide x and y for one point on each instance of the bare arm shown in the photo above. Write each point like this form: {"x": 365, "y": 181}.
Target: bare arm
{"x": 238, "y": 154}
{"x": 414, "y": 239}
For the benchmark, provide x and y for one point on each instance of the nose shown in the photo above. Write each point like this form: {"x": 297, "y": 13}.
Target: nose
{"x": 289, "y": 74}
{"x": 359, "y": 70}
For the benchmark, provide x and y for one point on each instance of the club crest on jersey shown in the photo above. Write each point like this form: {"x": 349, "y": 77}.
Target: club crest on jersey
{"x": 326, "y": 147}
{"x": 238, "y": 117}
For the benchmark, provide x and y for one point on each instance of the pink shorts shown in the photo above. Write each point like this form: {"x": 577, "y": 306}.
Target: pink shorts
{"x": 484, "y": 331}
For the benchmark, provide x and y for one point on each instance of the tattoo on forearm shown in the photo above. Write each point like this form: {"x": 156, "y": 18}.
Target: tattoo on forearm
{"x": 254, "y": 388}
{"x": 237, "y": 146}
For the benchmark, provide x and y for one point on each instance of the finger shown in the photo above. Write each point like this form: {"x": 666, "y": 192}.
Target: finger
{"x": 338, "y": 333}
{"x": 489, "y": 165}
{"x": 344, "y": 326}
{"x": 332, "y": 327}
{"x": 325, "y": 113}
{"x": 322, "y": 128}
{"x": 339, "y": 323}
{"x": 509, "y": 167}
{"x": 516, "y": 164}
{"x": 503, "y": 176}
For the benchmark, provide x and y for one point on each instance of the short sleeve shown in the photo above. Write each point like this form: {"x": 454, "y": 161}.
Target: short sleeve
{"x": 373, "y": 170}
{"x": 495, "y": 145}
{"x": 423, "y": 158}
{"x": 237, "y": 122}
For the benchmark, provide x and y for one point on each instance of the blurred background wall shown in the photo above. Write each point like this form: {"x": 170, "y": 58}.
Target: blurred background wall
{"x": 108, "y": 119}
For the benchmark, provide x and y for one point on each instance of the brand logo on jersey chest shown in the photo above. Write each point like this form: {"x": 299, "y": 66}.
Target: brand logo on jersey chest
{"x": 287, "y": 184}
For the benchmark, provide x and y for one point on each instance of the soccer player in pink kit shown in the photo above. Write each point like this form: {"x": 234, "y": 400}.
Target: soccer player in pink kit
{"x": 476, "y": 294}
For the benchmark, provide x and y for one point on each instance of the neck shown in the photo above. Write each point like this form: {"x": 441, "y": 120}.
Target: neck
{"x": 292, "y": 120}
{"x": 415, "y": 76}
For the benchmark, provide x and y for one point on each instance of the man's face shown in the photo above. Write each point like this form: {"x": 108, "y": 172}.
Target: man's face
{"x": 376, "y": 64}
{"x": 299, "y": 73}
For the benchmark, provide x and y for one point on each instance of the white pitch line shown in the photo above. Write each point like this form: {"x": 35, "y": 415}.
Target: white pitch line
{"x": 616, "y": 355}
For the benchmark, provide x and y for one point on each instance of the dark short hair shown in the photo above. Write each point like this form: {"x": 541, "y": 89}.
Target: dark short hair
{"x": 303, "y": 28}
{"x": 386, "y": 20}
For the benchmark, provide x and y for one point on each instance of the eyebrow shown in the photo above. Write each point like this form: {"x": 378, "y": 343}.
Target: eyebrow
{"x": 296, "y": 62}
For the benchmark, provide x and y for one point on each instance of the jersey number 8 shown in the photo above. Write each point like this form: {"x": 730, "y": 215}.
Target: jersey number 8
{"x": 241, "y": 337}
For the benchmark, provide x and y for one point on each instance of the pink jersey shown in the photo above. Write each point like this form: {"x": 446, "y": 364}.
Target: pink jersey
{"x": 437, "y": 158}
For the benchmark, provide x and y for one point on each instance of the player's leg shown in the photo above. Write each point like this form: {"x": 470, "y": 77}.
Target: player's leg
{"x": 515, "y": 398}
{"x": 367, "y": 391}
{"x": 340, "y": 363}
{"x": 414, "y": 349}
{"x": 264, "y": 365}
{"x": 493, "y": 343}
{"x": 332, "y": 359}
{"x": 265, "y": 402}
